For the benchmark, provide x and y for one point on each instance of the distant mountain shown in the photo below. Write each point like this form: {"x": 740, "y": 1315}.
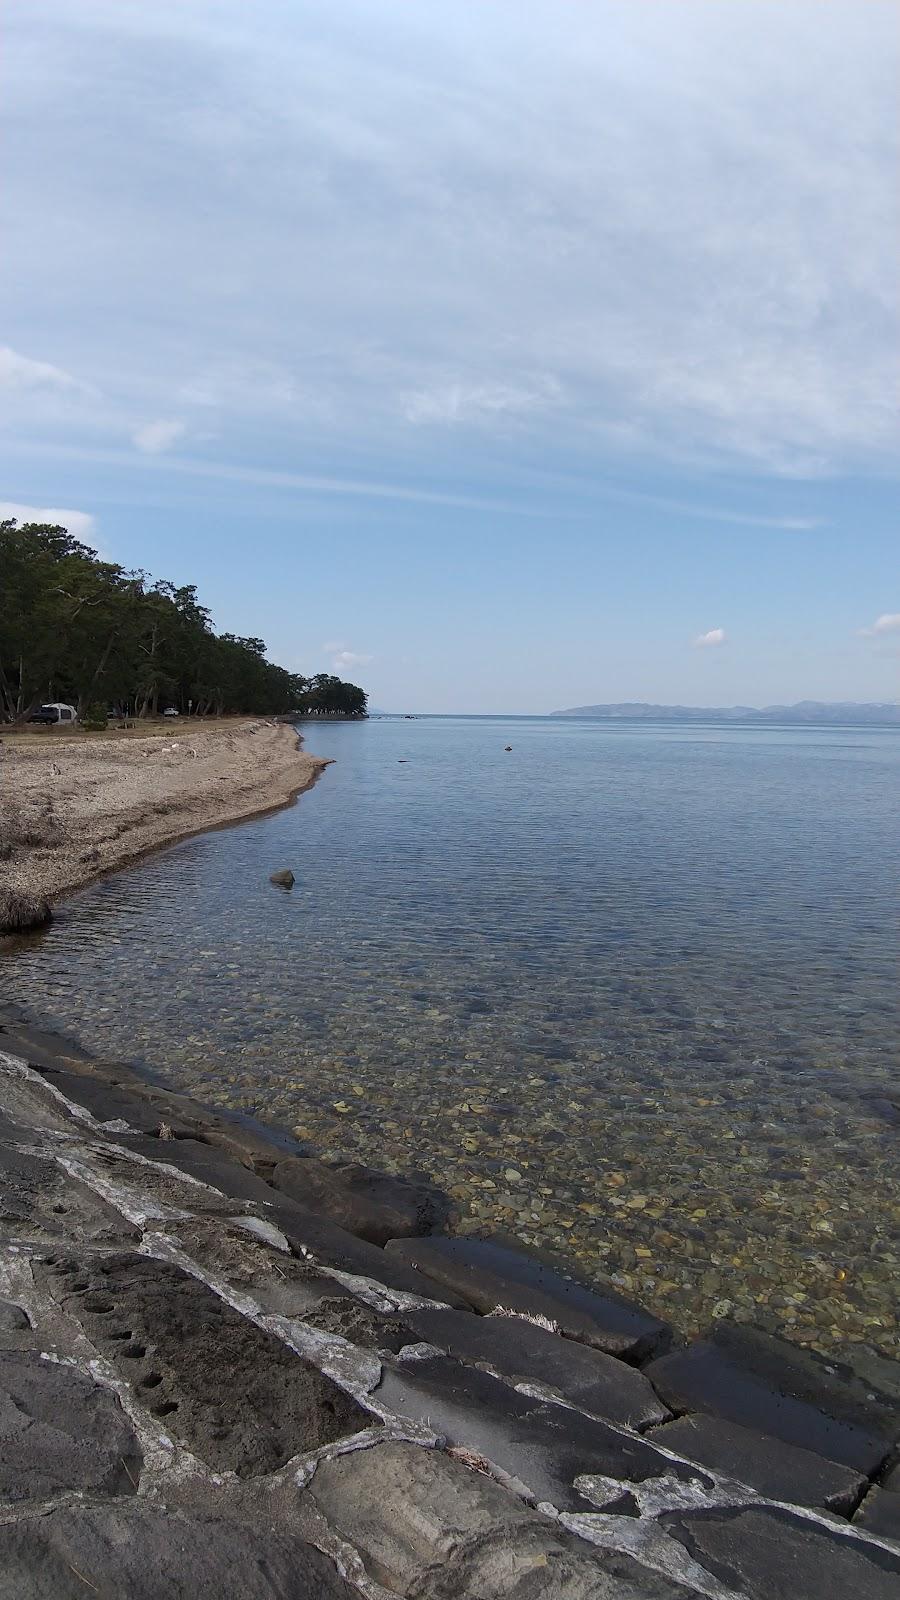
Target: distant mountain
{"x": 805, "y": 711}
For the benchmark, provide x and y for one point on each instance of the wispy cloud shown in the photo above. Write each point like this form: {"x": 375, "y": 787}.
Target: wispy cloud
{"x": 80, "y": 524}
{"x": 23, "y": 372}
{"x": 888, "y": 622}
{"x": 710, "y": 640}
{"x": 396, "y": 241}
{"x": 297, "y": 482}
{"x": 155, "y": 437}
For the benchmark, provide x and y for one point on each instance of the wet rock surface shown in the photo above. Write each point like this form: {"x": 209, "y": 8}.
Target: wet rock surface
{"x": 759, "y": 1381}
{"x": 207, "y": 1386}
{"x": 774, "y": 1555}
{"x": 526, "y": 1353}
{"x": 490, "y": 1277}
{"x": 544, "y": 1447}
{"x": 373, "y": 1205}
{"x": 774, "y": 1469}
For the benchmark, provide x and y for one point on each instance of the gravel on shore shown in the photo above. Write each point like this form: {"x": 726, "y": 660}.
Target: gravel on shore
{"x": 76, "y": 806}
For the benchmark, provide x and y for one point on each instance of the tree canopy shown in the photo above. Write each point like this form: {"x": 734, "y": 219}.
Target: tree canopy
{"x": 76, "y": 628}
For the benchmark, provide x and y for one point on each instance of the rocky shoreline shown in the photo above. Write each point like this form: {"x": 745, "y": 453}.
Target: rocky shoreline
{"x": 228, "y": 1367}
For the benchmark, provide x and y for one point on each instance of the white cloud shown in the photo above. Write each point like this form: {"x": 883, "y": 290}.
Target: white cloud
{"x": 21, "y": 372}
{"x": 710, "y": 640}
{"x": 888, "y": 622}
{"x": 482, "y": 219}
{"x": 155, "y": 437}
{"x": 343, "y": 659}
{"x": 80, "y": 524}
{"x": 481, "y": 403}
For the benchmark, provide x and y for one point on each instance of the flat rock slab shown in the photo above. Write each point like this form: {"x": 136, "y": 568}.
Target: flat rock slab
{"x": 880, "y": 1514}
{"x": 764, "y": 1383}
{"x": 61, "y": 1430}
{"x": 136, "y": 1551}
{"x": 373, "y": 1205}
{"x": 332, "y": 1246}
{"x": 454, "y": 1534}
{"x": 777, "y": 1470}
{"x": 200, "y": 1161}
{"x": 238, "y": 1397}
{"x": 543, "y": 1446}
{"x": 774, "y": 1555}
{"x": 524, "y": 1353}
{"x": 282, "y": 1285}
{"x": 39, "y": 1200}
{"x": 491, "y": 1276}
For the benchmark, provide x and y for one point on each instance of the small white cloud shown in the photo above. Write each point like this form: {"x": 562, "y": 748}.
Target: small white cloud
{"x": 154, "y": 437}
{"x": 715, "y": 636}
{"x": 21, "y": 372}
{"x": 888, "y": 622}
{"x": 342, "y": 660}
{"x": 80, "y": 524}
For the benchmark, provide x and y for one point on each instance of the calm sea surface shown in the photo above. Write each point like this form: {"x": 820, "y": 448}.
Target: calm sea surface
{"x": 630, "y": 992}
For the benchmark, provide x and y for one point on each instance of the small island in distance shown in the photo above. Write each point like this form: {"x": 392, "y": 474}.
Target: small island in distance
{"x": 805, "y": 711}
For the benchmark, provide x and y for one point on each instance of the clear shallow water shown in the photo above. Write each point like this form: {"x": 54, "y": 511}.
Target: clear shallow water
{"x": 629, "y": 992}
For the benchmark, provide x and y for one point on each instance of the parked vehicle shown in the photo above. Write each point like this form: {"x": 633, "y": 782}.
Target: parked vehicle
{"x": 54, "y": 713}
{"x": 171, "y": 712}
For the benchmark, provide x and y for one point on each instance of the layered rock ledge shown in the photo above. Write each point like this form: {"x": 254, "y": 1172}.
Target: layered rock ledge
{"x": 226, "y": 1368}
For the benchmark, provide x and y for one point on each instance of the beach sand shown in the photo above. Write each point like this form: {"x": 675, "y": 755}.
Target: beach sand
{"x": 75, "y": 806}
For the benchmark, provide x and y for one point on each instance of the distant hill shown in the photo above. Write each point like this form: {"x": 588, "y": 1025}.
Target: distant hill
{"x": 805, "y": 711}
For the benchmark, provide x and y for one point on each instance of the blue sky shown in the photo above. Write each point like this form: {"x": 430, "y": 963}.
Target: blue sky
{"x": 499, "y": 357}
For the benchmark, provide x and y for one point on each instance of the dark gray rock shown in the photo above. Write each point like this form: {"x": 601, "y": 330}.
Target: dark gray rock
{"x": 335, "y": 1247}
{"x": 37, "y": 1199}
{"x": 373, "y": 1205}
{"x": 284, "y": 879}
{"x": 145, "y": 1552}
{"x": 891, "y": 1478}
{"x": 524, "y": 1353}
{"x": 233, "y": 1393}
{"x": 352, "y": 1320}
{"x": 200, "y": 1161}
{"x": 777, "y": 1470}
{"x": 283, "y": 1285}
{"x": 112, "y": 1091}
{"x": 877, "y": 1372}
{"x": 762, "y": 1382}
{"x": 489, "y": 1275}
{"x": 545, "y": 1446}
{"x": 60, "y": 1430}
{"x": 880, "y": 1514}
{"x": 12, "y": 1318}
{"x": 454, "y": 1534}
{"x": 775, "y": 1555}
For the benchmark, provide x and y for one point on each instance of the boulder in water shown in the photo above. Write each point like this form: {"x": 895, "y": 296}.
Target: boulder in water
{"x": 284, "y": 879}
{"x": 20, "y": 913}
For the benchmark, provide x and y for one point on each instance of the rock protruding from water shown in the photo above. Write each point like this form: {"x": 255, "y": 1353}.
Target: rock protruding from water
{"x": 23, "y": 913}
{"x": 284, "y": 879}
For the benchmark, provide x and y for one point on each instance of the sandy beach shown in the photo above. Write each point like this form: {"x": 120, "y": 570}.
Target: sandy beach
{"x": 75, "y": 806}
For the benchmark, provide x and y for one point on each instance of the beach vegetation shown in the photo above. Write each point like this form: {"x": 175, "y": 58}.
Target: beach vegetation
{"x": 79, "y": 628}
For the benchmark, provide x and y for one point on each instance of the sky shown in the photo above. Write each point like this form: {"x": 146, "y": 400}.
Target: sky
{"x": 498, "y": 357}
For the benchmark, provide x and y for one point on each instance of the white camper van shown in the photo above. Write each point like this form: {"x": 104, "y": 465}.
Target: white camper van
{"x": 54, "y": 714}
